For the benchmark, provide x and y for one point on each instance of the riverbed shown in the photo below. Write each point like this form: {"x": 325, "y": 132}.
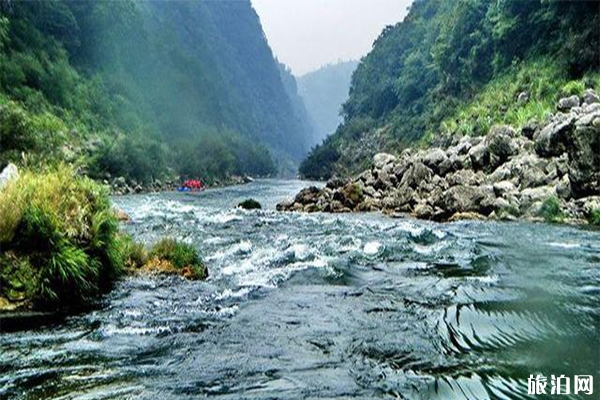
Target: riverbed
{"x": 350, "y": 306}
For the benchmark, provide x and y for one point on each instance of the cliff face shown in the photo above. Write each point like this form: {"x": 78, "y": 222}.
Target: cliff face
{"x": 196, "y": 76}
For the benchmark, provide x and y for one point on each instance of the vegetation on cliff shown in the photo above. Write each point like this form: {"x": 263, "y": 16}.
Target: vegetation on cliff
{"x": 143, "y": 89}
{"x": 458, "y": 68}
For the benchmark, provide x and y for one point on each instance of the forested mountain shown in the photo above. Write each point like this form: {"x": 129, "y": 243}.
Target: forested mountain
{"x": 324, "y": 91}
{"x": 457, "y": 67}
{"x": 133, "y": 88}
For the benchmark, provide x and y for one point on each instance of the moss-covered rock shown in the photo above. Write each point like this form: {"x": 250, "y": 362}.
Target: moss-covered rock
{"x": 250, "y": 204}
{"x": 169, "y": 256}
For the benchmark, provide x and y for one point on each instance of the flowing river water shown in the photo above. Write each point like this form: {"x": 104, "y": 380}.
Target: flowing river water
{"x": 352, "y": 306}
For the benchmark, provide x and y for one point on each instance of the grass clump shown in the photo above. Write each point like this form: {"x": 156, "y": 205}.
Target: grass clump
{"x": 551, "y": 210}
{"x": 59, "y": 238}
{"x": 594, "y": 217}
{"x": 169, "y": 255}
{"x": 250, "y": 204}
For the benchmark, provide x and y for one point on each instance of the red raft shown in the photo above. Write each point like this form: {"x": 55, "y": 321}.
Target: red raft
{"x": 192, "y": 185}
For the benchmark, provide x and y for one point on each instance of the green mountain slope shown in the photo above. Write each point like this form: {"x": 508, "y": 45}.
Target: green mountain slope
{"x": 135, "y": 88}
{"x": 324, "y": 91}
{"x": 451, "y": 67}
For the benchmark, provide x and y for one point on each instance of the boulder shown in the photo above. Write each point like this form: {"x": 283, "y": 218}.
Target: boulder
{"x": 584, "y": 161}
{"x": 250, "y": 204}
{"x": 380, "y": 160}
{"x": 285, "y": 205}
{"x": 436, "y": 159}
{"x": 335, "y": 182}
{"x": 400, "y": 199}
{"x": 552, "y": 139}
{"x": 9, "y": 173}
{"x": 462, "y": 198}
{"x": 528, "y": 130}
{"x": 590, "y": 97}
{"x": 479, "y": 156}
{"x": 566, "y": 103}
{"x": 308, "y": 195}
{"x": 504, "y": 188}
{"x": 500, "y": 144}
{"x": 416, "y": 174}
{"x": 423, "y": 211}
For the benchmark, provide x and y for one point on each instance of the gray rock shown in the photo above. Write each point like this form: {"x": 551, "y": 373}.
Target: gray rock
{"x": 400, "y": 199}
{"x": 308, "y": 195}
{"x": 9, "y": 173}
{"x": 479, "y": 156}
{"x": 523, "y": 97}
{"x": 500, "y": 144}
{"x": 423, "y": 211}
{"x": 504, "y": 188}
{"x": 563, "y": 187}
{"x": 590, "y": 97}
{"x": 335, "y": 182}
{"x": 584, "y": 161}
{"x": 566, "y": 103}
{"x": 552, "y": 139}
{"x": 528, "y": 130}
{"x": 416, "y": 174}
{"x": 285, "y": 205}
{"x": 382, "y": 159}
{"x": 434, "y": 158}
{"x": 459, "y": 199}
{"x": 539, "y": 194}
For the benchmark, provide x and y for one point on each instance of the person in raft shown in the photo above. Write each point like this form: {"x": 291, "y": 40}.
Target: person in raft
{"x": 190, "y": 185}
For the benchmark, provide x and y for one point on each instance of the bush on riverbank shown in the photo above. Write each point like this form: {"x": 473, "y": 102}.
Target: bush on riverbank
{"x": 59, "y": 239}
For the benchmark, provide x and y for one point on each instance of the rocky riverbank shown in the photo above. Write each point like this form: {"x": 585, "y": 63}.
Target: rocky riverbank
{"x": 122, "y": 186}
{"x": 548, "y": 171}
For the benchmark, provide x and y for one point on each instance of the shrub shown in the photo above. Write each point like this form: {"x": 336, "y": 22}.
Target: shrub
{"x": 551, "y": 210}
{"x": 60, "y": 228}
{"x": 250, "y": 204}
{"x": 594, "y": 218}
{"x": 180, "y": 255}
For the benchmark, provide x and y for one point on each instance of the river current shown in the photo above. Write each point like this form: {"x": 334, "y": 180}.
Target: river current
{"x": 352, "y": 306}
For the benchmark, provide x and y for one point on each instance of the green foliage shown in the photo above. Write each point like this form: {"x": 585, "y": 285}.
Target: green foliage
{"x": 551, "y": 210}
{"x": 60, "y": 229}
{"x": 460, "y": 65}
{"x": 134, "y": 253}
{"x": 250, "y": 204}
{"x": 354, "y": 193}
{"x": 121, "y": 74}
{"x": 180, "y": 255}
{"x": 594, "y": 217}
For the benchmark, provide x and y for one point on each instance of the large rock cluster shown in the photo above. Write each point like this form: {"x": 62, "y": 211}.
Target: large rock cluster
{"x": 506, "y": 174}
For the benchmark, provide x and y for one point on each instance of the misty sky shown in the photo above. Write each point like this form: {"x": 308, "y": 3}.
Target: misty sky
{"x": 306, "y": 34}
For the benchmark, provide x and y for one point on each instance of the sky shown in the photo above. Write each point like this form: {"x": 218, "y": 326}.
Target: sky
{"x": 307, "y": 34}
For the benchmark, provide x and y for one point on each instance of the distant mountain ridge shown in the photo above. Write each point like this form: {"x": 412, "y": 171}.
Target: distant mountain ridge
{"x": 324, "y": 91}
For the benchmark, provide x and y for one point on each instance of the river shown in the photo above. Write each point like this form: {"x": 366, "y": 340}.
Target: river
{"x": 351, "y": 306}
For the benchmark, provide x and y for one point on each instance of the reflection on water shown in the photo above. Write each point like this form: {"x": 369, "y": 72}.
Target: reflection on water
{"x": 321, "y": 306}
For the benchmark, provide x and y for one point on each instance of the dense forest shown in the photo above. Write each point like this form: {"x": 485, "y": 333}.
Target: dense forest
{"x": 144, "y": 89}
{"x": 324, "y": 91}
{"x": 457, "y": 67}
